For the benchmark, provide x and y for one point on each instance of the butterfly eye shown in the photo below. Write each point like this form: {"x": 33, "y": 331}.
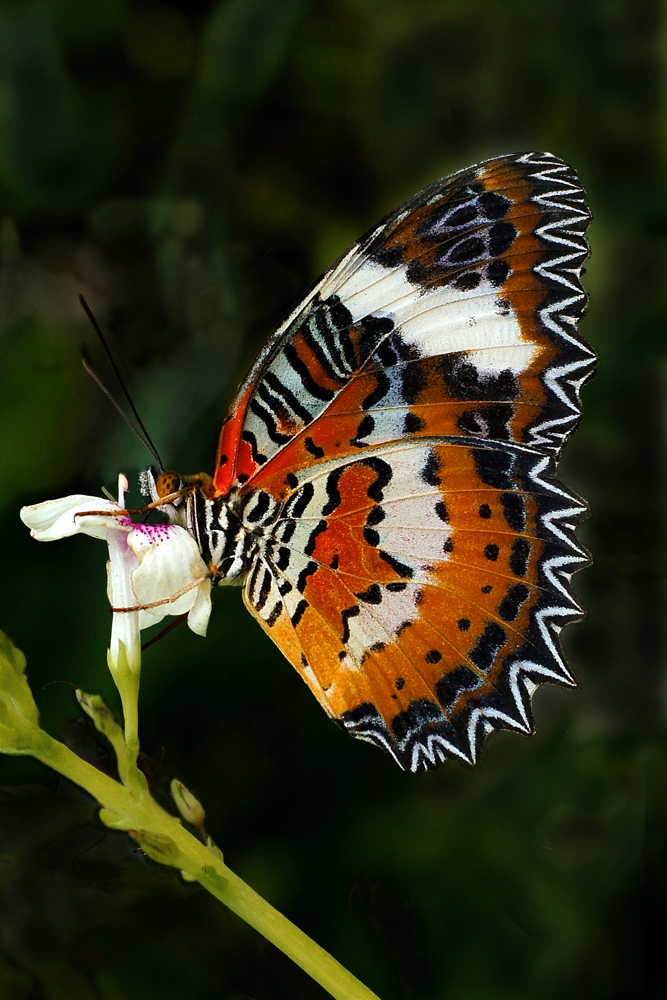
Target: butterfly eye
{"x": 166, "y": 483}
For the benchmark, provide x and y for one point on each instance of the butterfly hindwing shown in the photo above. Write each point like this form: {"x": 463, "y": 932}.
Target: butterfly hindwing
{"x": 424, "y": 577}
{"x": 403, "y": 426}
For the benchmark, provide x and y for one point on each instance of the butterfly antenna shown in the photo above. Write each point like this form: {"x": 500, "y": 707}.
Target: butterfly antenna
{"x": 114, "y": 402}
{"x": 146, "y": 439}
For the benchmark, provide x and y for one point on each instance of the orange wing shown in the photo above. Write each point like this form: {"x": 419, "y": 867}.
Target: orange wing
{"x": 456, "y": 315}
{"x": 403, "y": 427}
{"x": 419, "y": 591}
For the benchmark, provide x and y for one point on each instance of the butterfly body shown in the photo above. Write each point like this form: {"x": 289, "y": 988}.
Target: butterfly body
{"x": 385, "y": 481}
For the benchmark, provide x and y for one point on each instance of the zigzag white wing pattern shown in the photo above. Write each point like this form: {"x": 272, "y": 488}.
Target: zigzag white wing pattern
{"x": 420, "y": 590}
{"x": 457, "y": 315}
{"x": 386, "y": 474}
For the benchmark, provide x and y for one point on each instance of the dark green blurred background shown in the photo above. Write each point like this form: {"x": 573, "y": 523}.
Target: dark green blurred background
{"x": 191, "y": 167}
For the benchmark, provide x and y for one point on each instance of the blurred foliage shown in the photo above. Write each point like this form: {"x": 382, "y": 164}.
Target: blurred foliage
{"x": 191, "y": 167}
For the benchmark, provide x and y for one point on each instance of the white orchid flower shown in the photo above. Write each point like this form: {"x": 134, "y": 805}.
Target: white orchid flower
{"x": 156, "y": 568}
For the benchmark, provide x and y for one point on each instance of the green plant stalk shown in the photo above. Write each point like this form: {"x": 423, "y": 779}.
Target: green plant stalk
{"x": 164, "y": 839}
{"x": 128, "y": 805}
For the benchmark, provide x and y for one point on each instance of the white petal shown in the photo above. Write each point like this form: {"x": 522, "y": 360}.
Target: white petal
{"x": 56, "y": 518}
{"x": 125, "y": 624}
{"x": 201, "y": 609}
{"x": 152, "y": 616}
{"x": 169, "y": 562}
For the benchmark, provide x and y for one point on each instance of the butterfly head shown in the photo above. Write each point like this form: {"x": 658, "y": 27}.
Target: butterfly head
{"x": 167, "y": 483}
{"x": 163, "y": 484}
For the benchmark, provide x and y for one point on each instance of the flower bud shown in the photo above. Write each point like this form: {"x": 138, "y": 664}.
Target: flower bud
{"x": 214, "y": 849}
{"x": 189, "y": 807}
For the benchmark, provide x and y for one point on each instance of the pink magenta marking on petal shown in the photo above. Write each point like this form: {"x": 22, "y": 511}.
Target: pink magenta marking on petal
{"x": 126, "y": 521}
{"x": 155, "y": 532}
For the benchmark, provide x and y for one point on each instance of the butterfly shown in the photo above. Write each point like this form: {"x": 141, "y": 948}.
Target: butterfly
{"x": 384, "y": 486}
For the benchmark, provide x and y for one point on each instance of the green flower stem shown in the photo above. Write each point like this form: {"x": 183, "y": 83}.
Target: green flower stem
{"x": 128, "y": 805}
{"x": 164, "y": 839}
{"x": 126, "y": 679}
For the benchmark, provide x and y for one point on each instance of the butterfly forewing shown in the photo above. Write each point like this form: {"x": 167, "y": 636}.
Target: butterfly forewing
{"x": 407, "y": 418}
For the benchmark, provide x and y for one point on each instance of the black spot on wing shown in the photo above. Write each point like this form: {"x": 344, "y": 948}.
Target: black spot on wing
{"x": 264, "y": 590}
{"x": 412, "y": 423}
{"x": 312, "y": 538}
{"x": 383, "y": 472}
{"x": 376, "y": 515}
{"x": 416, "y": 272}
{"x": 462, "y": 216}
{"x": 396, "y": 565}
{"x": 451, "y": 684}
{"x": 373, "y": 329}
{"x": 366, "y": 427}
{"x": 372, "y": 537}
{"x": 441, "y": 511}
{"x": 333, "y": 493}
{"x": 467, "y": 281}
{"x": 274, "y": 614}
{"x": 492, "y": 421}
{"x": 413, "y": 381}
{"x": 488, "y": 643}
{"x": 371, "y": 596}
{"x": 463, "y": 381}
{"x": 375, "y": 648}
{"x": 346, "y": 614}
{"x": 313, "y": 449}
{"x": 497, "y": 272}
{"x": 298, "y": 612}
{"x": 491, "y": 551}
{"x": 260, "y": 508}
{"x": 302, "y": 579}
{"x": 388, "y": 256}
{"x": 446, "y": 216}
{"x": 283, "y": 559}
{"x": 514, "y": 509}
{"x": 429, "y": 473}
{"x": 510, "y": 606}
{"x": 297, "y": 503}
{"x": 257, "y": 456}
{"x": 287, "y": 529}
{"x": 468, "y": 249}
{"x": 501, "y": 237}
{"x": 394, "y": 349}
{"x": 494, "y": 468}
{"x": 493, "y": 205}
{"x": 519, "y": 556}
{"x": 340, "y": 314}
{"x": 376, "y": 395}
